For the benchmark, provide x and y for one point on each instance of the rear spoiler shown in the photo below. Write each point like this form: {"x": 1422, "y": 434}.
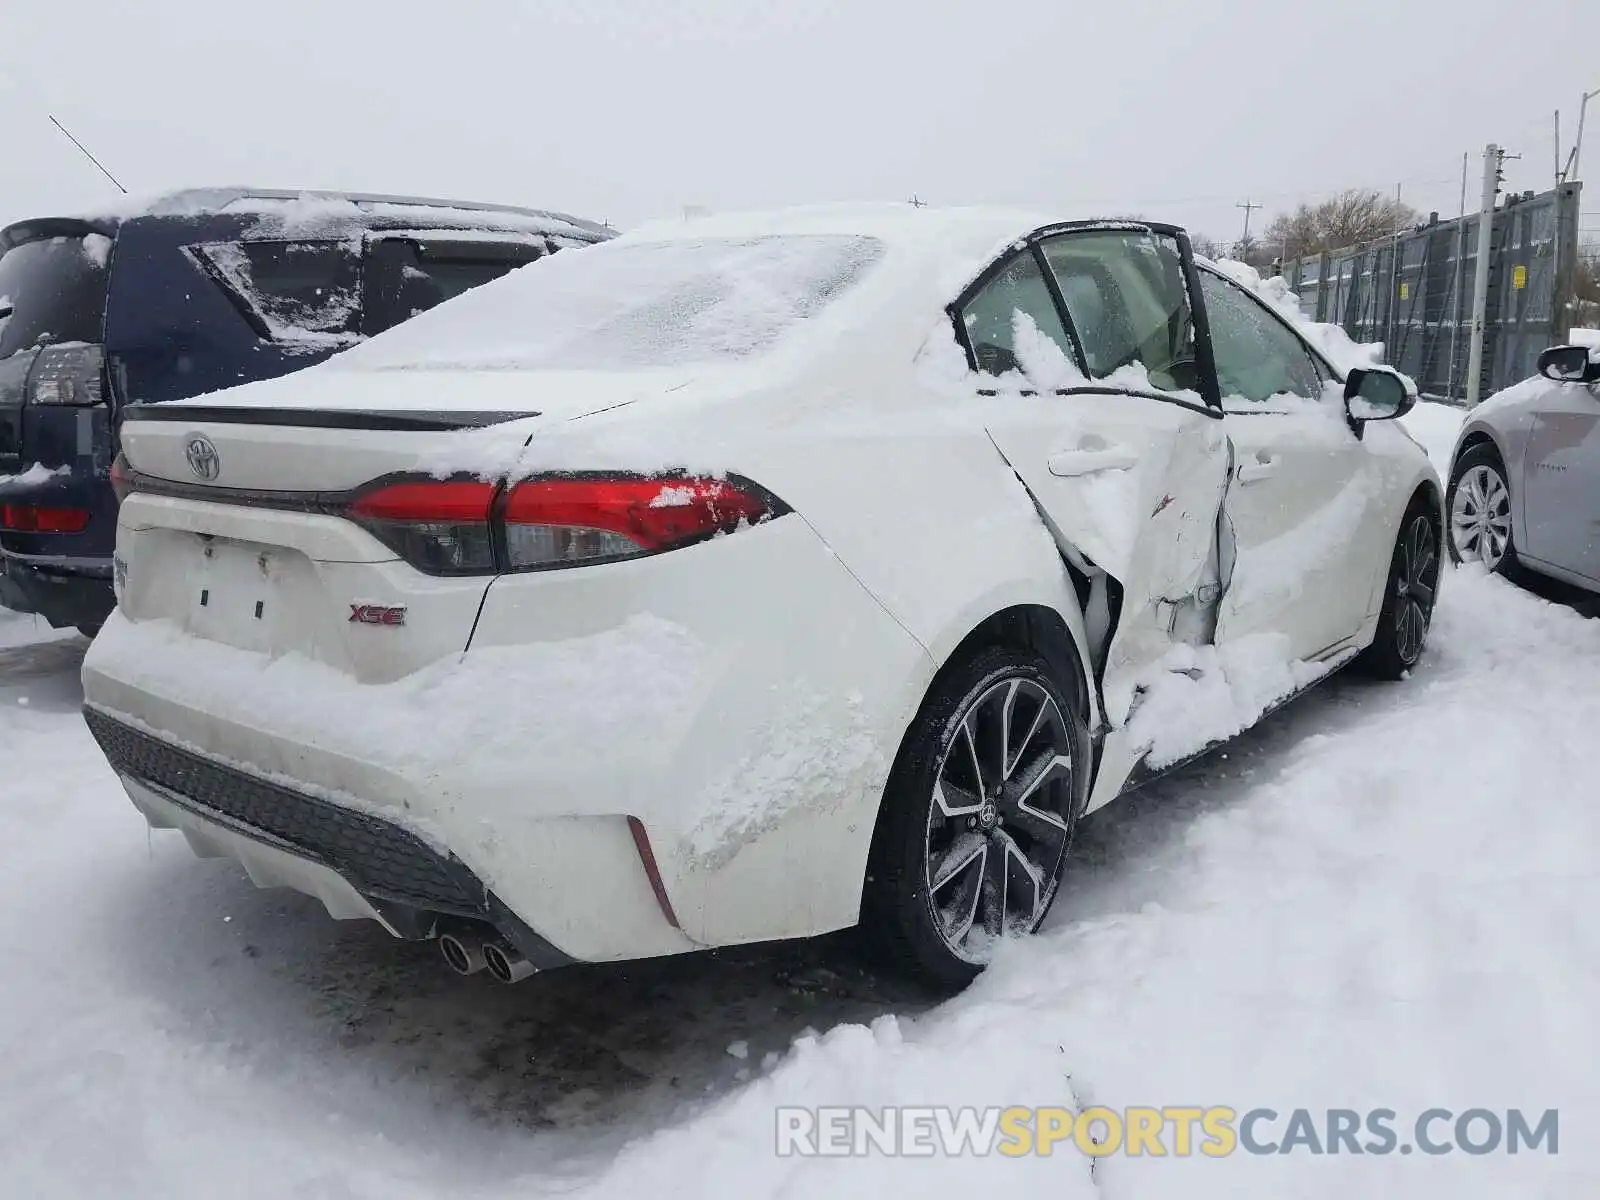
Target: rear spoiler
{"x": 322, "y": 418}
{"x": 40, "y": 228}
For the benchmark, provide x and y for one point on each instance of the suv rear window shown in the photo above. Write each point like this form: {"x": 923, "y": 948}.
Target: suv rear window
{"x": 409, "y": 275}
{"x": 55, "y": 291}
{"x": 305, "y": 292}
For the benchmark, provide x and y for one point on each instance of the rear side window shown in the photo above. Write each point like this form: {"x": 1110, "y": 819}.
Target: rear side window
{"x": 53, "y": 290}
{"x": 406, "y": 276}
{"x": 303, "y": 291}
{"x": 997, "y": 319}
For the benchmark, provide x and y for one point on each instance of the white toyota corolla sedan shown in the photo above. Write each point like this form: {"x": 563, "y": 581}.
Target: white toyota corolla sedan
{"x": 751, "y": 577}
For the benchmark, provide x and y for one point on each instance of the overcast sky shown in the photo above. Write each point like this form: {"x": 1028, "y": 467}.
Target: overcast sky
{"x": 623, "y": 109}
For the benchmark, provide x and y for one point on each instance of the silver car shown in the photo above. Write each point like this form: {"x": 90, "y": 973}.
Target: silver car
{"x": 1525, "y": 476}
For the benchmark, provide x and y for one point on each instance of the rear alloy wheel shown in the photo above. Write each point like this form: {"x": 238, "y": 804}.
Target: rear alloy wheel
{"x": 1408, "y": 598}
{"x": 1480, "y": 511}
{"x": 978, "y": 817}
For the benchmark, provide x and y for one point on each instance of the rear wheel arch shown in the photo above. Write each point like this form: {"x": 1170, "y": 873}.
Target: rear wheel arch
{"x": 1029, "y": 627}
{"x": 1037, "y": 628}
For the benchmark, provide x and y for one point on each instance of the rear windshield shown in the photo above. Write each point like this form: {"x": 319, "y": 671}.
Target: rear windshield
{"x": 55, "y": 291}
{"x": 634, "y": 305}
{"x": 293, "y": 291}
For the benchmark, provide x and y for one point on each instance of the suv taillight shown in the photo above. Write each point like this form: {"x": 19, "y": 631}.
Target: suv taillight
{"x": 68, "y": 375}
{"x": 470, "y": 527}
{"x": 40, "y": 518}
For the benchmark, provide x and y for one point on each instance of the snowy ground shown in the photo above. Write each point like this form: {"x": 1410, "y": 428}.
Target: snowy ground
{"x": 1383, "y": 897}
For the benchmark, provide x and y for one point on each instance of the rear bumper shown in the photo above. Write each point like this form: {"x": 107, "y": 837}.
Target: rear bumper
{"x": 67, "y": 592}
{"x": 637, "y": 759}
{"x": 358, "y": 864}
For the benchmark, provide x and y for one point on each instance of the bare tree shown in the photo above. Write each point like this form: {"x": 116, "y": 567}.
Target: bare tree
{"x": 1586, "y": 287}
{"x": 1348, "y": 219}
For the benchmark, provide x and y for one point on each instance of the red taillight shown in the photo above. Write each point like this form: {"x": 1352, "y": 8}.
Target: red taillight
{"x": 468, "y": 527}
{"x": 438, "y": 526}
{"x": 442, "y": 501}
{"x": 570, "y": 520}
{"x": 36, "y": 518}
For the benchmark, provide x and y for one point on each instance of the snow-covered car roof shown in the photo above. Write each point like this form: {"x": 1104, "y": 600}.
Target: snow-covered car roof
{"x": 280, "y": 212}
{"x": 894, "y": 224}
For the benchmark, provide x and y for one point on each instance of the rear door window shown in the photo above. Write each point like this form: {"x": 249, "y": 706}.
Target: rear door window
{"x": 1003, "y": 321}
{"x": 52, "y": 290}
{"x": 405, "y": 276}
{"x": 1125, "y": 294}
{"x": 292, "y": 291}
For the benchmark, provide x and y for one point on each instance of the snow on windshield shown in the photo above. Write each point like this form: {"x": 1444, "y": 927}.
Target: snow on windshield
{"x": 638, "y": 304}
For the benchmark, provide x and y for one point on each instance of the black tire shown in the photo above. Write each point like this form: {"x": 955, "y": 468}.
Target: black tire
{"x": 1411, "y": 589}
{"x": 1480, "y": 459}
{"x": 1033, "y": 816}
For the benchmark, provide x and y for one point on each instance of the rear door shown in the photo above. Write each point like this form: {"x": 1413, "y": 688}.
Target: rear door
{"x": 1304, "y": 505}
{"x": 1561, "y": 480}
{"x": 1129, "y": 465}
{"x": 52, "y": 292}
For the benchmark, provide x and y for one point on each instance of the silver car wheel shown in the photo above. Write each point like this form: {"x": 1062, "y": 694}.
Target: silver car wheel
{"x": 1480, "y": 517}
{"x": 999, "y": 825}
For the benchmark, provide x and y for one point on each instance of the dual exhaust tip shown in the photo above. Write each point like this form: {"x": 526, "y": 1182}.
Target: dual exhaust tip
{"x": 467, "y": 955}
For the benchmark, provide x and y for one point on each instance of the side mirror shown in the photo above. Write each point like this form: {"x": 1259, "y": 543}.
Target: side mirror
{"x": 1377, "y": 394}
{"x": 1568, "y": 364}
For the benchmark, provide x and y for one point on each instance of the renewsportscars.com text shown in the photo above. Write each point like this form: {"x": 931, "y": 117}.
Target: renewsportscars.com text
{"x": 1158, "y": 1132}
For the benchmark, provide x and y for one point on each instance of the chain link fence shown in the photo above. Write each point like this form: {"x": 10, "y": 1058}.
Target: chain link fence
{"x": 1413, "y": 292}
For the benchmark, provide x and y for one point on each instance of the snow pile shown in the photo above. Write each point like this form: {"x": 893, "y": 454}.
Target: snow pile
{"x": 1044, "y": 363}
{"x": 97, "y": 249}
{"x": 1195, "y": 696}
{"x": 36, "y": 474}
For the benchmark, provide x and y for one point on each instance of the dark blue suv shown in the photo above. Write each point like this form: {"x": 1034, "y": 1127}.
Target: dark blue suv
{"x": 199, "y": 291}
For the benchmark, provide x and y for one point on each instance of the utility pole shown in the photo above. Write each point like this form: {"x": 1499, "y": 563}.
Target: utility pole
{"x": 1577, "y": 146}
{"x": 1558, "y": 147}
{"x": 1455, "y": 287}
{"x": 1493, "y": 156}
{"x": 1394, "y": 281}
{"x": 1244, "y": 239}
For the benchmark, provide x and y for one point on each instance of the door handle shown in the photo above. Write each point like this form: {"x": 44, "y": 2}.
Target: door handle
{"x": 1260, "y": 468}
{"x": 1071, "y": 464}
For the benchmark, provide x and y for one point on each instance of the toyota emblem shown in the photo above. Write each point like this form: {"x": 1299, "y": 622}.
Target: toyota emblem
{"x": 203, "y": 458}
